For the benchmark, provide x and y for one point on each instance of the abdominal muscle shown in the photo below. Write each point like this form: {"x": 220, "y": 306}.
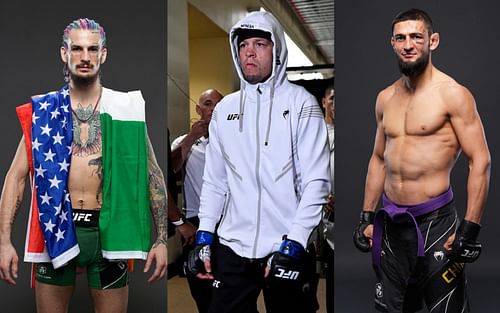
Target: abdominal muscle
{"x": 85, "y": 182}
{"x": 418, "y": 167}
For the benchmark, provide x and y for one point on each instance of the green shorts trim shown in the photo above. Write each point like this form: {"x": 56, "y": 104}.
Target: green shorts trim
{"x": 101, "y": 273}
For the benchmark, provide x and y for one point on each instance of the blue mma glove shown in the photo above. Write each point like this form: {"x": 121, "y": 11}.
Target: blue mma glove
{"x": 288, "y": 265}
{"x": 196, "y": 258}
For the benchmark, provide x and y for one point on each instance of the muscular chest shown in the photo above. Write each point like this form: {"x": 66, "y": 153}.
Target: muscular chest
{"x": 416, "y": 116}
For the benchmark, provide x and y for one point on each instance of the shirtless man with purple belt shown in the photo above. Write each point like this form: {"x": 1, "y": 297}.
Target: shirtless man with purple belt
{"x": 424, "y": 120}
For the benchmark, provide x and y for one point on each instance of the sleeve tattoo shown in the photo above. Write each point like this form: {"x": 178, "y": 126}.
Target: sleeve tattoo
{"x": 157, "y": 197}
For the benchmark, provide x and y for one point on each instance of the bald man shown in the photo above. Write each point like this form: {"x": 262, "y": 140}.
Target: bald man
{"x": 188, "y": 158}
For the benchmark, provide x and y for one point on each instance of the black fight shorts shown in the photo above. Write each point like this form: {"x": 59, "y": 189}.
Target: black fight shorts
{"x": 406, "y": 282}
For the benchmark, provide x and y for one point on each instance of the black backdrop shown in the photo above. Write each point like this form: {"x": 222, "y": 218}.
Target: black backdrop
{"x": 364, "y": 65}
{"x": 30, "y": 37}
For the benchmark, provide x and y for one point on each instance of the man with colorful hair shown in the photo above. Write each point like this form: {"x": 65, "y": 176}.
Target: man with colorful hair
{"x": 95, "y": 183}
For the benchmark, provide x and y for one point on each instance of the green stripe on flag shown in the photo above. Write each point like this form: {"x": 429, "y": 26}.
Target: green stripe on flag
{"x": 124, "y": 220}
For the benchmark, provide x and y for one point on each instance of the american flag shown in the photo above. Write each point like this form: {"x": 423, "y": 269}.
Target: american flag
{"x": 52, "y": 135}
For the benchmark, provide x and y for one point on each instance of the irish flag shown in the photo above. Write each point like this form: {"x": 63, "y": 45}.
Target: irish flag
{"x": 124, "y": 220}
{"x": 125, "y": 216}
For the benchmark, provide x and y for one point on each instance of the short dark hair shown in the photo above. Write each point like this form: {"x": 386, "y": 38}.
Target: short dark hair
{"x": 245, "y": 33}
{"x": 414, "y": 15}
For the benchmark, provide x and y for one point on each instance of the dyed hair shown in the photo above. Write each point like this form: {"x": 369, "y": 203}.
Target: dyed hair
{"x": 83, "y": 23}
{"x": 414, "y": 15}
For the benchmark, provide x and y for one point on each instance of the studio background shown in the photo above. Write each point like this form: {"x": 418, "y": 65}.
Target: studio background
{"x": 31, "y": 33}
{"x": 364, "y": 65}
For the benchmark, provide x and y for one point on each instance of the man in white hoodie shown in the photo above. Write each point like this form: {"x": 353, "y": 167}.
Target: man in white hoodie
{"x": 266, "y": 179}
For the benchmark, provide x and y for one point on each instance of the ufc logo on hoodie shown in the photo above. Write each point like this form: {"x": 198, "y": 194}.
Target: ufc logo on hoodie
{"x": 233, "y": 116}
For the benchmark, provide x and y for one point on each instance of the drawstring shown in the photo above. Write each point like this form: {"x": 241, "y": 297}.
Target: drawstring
{"x": 270, "y": 112}
{"x": 242, "y": 106}
{"x": 242, "y": 109}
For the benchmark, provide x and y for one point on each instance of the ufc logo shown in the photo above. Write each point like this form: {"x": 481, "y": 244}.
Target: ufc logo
{"x": 233, "y": 116}
{"x": 292, "y": 275}
{"x": 81, "y": 217}
{"x": 470, "y": 254}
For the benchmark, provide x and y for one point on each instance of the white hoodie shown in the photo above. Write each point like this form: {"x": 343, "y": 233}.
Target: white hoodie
{"x": 268, "y": 154}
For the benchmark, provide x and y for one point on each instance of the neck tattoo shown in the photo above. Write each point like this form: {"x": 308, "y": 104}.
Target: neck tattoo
{"x": 86, "y": 130}
{"x": 83, "y": 115}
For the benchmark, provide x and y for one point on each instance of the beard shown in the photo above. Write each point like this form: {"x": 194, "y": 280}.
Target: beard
{"x": 416, "y": 68}
{"x": 255, "y": 79}
{"x": 84, "y": 80}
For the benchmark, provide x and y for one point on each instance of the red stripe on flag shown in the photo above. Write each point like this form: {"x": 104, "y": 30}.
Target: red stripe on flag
{"x": 36, "y": 243}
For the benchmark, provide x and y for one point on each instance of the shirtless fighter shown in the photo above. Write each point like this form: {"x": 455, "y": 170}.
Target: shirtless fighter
{"x": 86, "y": 150}
{"x": 424, "y": 120}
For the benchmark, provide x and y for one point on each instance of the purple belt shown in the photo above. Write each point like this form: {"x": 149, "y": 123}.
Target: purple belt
{"x": 400, "y": 214}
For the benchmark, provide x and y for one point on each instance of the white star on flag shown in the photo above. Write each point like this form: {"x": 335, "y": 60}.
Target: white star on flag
{"x": 49, "y": 155}
{"x": 35, "y": 144}
{"x": 64, "y": 165}
{"x": 65, "y": 92}
{"x": 39, "y": 171}
{"x": 63, "y": 216}
{"x": 54, "y": 114}
{"x": 58, "y": 139}
{"x": 34, "y": 118}
{"x": 58, "y": 209}
{"x": 45, "y": 198}
{"x": 45, "y": 130}
{"x": 51, "y": 132}
{"x": 49, "y": 226}
{"x": 54, "y": 182}
{"x": 44, "y": 105}
{"x": 65, "y": 108}
{"x": 60, "y": 234}
{"x": 64, "y": 123}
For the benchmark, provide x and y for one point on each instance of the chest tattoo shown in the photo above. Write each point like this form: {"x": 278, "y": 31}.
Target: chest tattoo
{"x": 86, "y": 131}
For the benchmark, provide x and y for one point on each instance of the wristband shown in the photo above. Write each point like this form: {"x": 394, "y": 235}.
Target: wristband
{"x": 204, "y": 238}
{"x": 366, "y": 217}
{"x": 292, "y": 249}
{"x": 469, "y": 230}
{"x": 180, "y": 222}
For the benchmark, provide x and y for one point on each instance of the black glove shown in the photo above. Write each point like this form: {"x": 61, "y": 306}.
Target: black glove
{"x": 465, "y": 248}
{"x": 196, "y": 258}
{"x": 288, "y": 265}
{"x": 360, "y": 240}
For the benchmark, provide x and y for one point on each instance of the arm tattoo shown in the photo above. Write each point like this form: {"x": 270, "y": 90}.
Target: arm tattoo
{"x": 98, "y": 171}
{"x": 157, "y": 197}
{"x": 16, "y": 209}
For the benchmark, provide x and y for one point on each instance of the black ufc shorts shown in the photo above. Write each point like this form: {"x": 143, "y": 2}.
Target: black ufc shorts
{"x": 406, "y": 282}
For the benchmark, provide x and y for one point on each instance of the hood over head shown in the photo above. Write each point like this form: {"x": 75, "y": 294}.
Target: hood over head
{"x": 262, "y": 25}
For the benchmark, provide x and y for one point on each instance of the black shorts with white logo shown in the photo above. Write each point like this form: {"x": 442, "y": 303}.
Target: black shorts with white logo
{"x": 406, "y": 281}
{"x": 239, "y": 281}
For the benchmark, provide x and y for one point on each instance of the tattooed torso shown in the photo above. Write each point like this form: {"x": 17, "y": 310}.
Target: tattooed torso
{"x": 85, "y": 177}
